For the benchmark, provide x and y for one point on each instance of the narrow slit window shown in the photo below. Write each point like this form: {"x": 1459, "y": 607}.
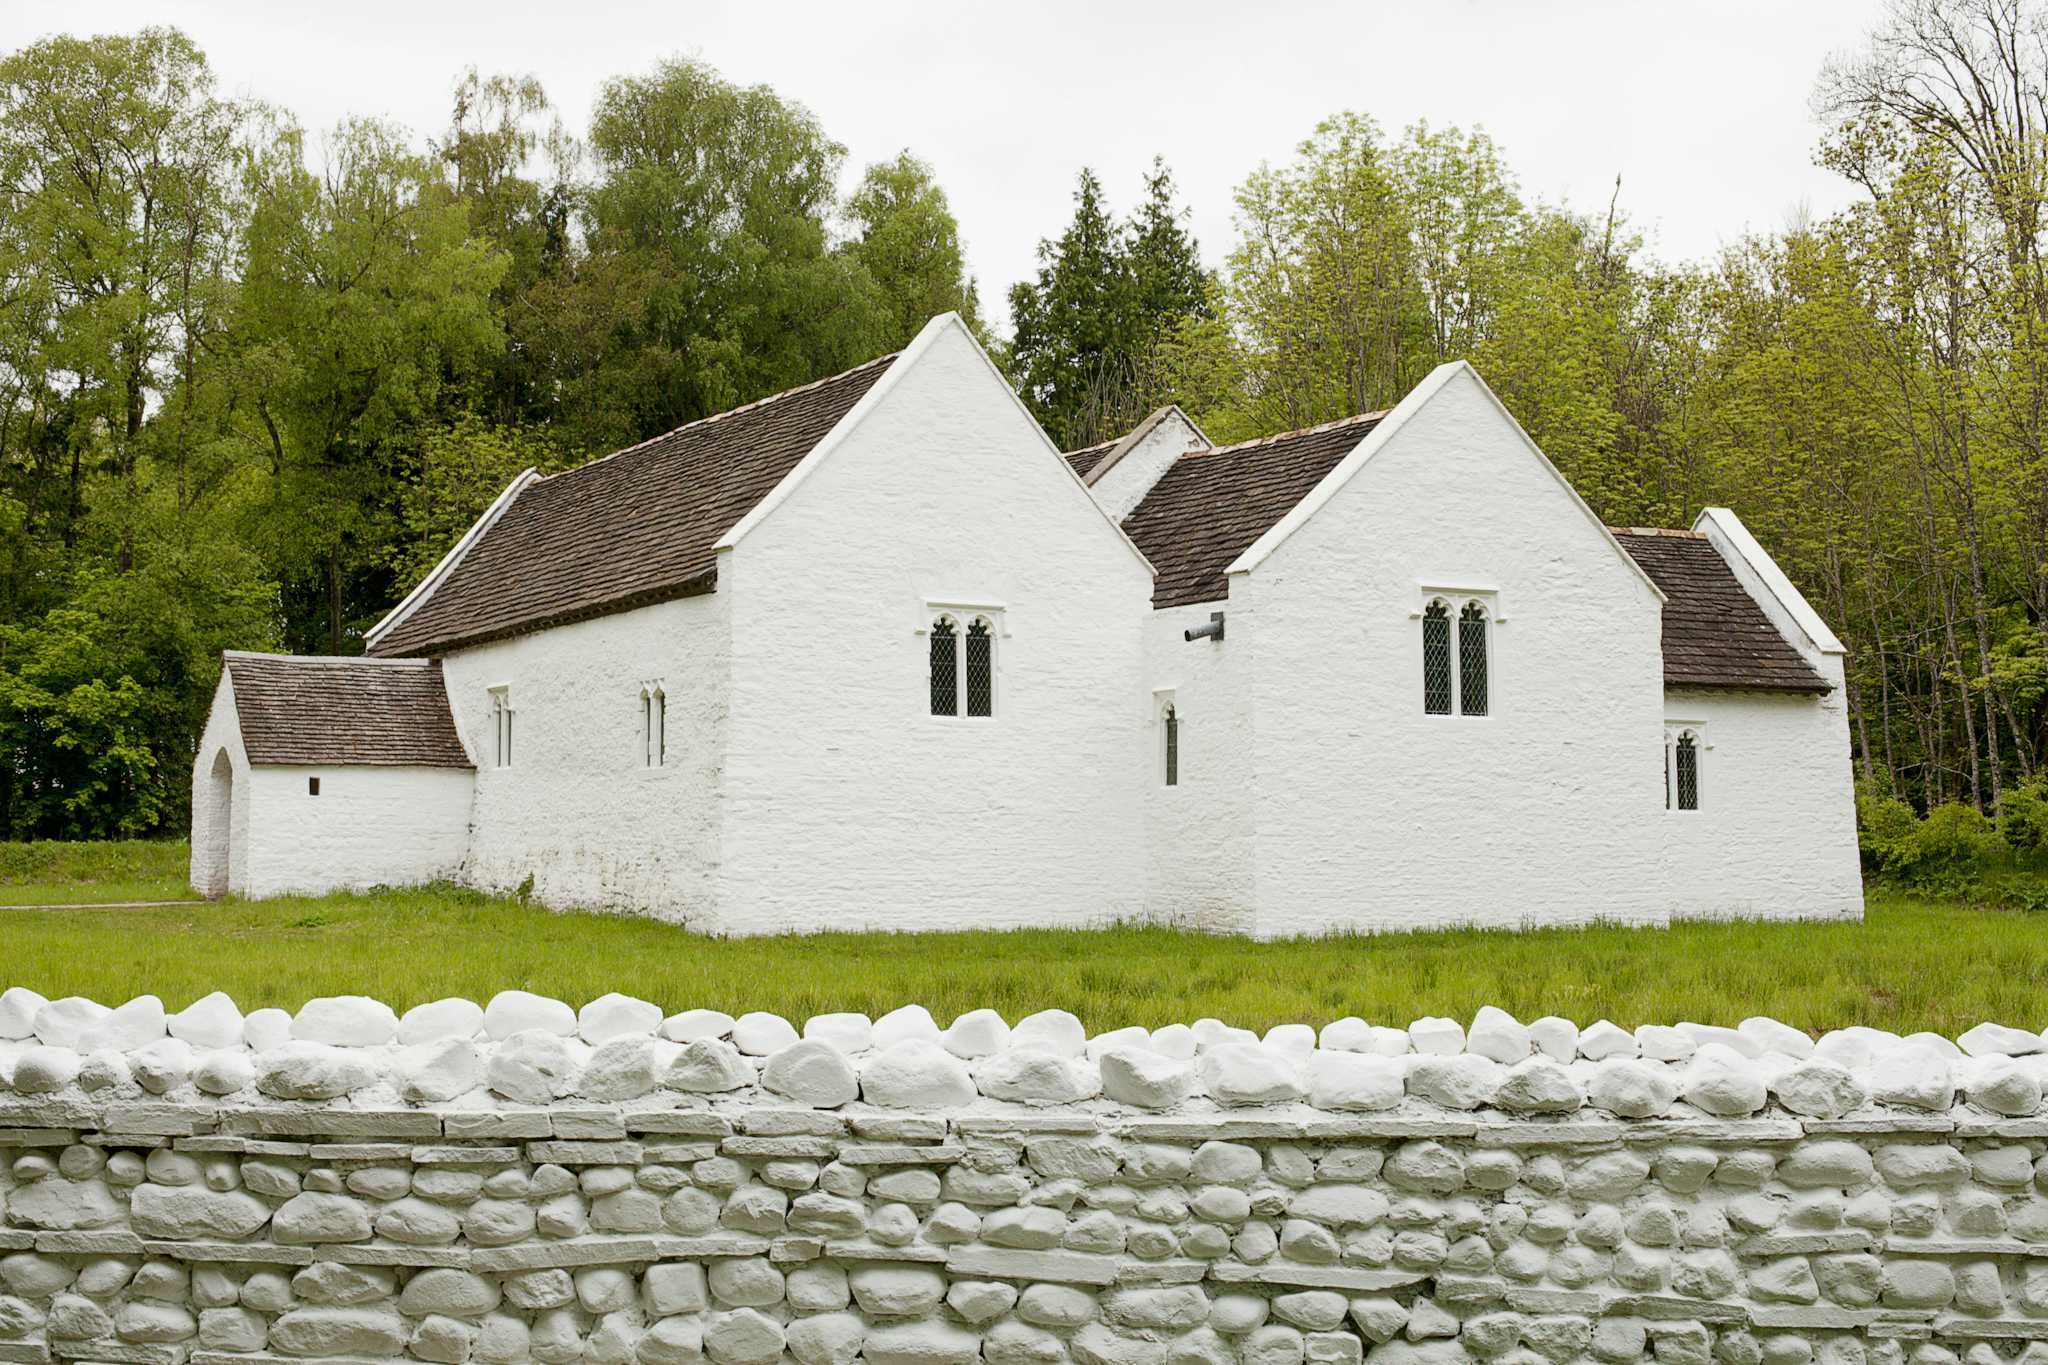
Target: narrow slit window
{"x": 653, "y": 727}
{"x": 1687, "y": 764}
{"x": 1472, "y": 660}
{"x": 1436, "y": 660}
{"x": 981, "y": 681}
{"x": 945, "y": 666}
{"x": 1172, "y": 747}
{"x": 501, "y": 725}
{"x": 312, "y": 786}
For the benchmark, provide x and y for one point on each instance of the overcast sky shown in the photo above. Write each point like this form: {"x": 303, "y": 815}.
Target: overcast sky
{"x": 1701, "y": 108}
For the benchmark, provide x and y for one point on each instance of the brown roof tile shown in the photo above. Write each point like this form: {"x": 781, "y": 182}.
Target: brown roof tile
{"x": 383, "y": 712}
{"x": 635, "y": 527}
{"x": 1088, "y": 457}
{"x": 1212, "y": 504}
{"x": 1715, "y": 634}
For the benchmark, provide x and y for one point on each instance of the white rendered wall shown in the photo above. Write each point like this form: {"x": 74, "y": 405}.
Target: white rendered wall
{"x": 578, "y": 811}
{"x": 220, "y": 858}
{"x": 1775, "y": 834}
{"x": 1124, "y": 484}
{"x": 1372, "y": 815}
{"x": 1199, "y": 832}
{"x": 369, "y": 826}
{"x": 847, "y": 803}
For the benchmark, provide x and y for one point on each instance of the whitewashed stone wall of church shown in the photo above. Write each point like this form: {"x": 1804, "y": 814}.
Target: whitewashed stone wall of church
{"x": 1373, "y": 815}
{"x": 220, "y": 828}
{"x": 528, "y": 1181}
{"x": 1775, "y": 834}
{"x": 369, "y": 826}
{"x": 578, "y": 812}
{"x": 846, "y": 802}
{"x": 1199, "y": 833}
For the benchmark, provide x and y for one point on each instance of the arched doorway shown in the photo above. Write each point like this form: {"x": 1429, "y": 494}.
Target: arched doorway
{"x": 213, "y": 829}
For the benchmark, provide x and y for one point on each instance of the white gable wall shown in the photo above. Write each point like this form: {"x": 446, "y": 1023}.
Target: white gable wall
{"x": 1371, "y": 815}
{"x": 1124, "y": 484}
{"x": 369, "y": 826}
{"x": 578, "y": 812}
{"x": 847, "y": 803}
{"x": 1775, "y": 834}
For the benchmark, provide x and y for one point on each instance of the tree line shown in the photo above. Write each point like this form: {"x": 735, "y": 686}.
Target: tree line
{"x": 255, "y": 379}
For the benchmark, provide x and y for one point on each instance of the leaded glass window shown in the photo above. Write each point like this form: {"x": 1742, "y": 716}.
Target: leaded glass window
{"x": 1688, "y": 767}
{"x": 981, "y": 681}
{"x": 945, "y": 669}
{"x": 1436, "y": 660}
{"x": 1472, "y": 660}
{"x": 1172, "y": 747}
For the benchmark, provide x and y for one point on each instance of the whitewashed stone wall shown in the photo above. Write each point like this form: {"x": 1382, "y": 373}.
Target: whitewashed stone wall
{"x": 578, "y": 811}
{"x": 845, "y": 802}
{"x": 528, "y": 1181}
{"x": 1369, "y": 814}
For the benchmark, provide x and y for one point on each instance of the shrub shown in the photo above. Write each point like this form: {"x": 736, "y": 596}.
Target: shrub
{"x": 1884, "y": 823}
{"x": 1944, "y": 852}
{"x": 2023, "y": 816}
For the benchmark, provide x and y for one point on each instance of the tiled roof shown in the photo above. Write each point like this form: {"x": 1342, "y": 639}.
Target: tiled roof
{"x": 635, "y": 527}
{"x": 1715, "y": 634}
{"x": 385, "y": 712}
{"x": 1088, "y": 457}
{"x": 1212, "y": 504}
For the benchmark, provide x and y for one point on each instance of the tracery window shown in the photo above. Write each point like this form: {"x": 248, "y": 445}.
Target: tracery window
{"x": 1456, "y": 680}
{"x": 1436, "y": 659}
{"x": 1472, "y": 660}
{"x": 1685, "y": 768}
{"x": 945, "y": 668}
{"x": 981, "y": 681}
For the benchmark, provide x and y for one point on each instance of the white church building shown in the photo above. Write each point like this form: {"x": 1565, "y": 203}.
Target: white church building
{"x": 874, "y": 653}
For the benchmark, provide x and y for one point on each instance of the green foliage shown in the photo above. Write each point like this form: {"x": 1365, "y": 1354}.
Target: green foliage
{"x": 906, "y": 240}
{"x": 1947, "y": 851}
{"x": 1091, "y": 331}
{"x": 2023, "y": 816}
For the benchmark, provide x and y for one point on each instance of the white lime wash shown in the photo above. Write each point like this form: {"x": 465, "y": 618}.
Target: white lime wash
{"x": 900, "y": 664}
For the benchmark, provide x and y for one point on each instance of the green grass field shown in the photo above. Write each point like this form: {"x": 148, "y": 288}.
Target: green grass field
{"x": 1913, "y": 964}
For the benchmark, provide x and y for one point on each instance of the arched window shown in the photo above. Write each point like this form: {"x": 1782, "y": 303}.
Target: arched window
{"x": 1436, "y": 659}
{"x": 1472, "y": 660}
{"x": 501, "y": 724}
{"x": 945, "y": 668}
{"x": 981, "y": 670}
{"x": 1686, "y": 771}
{"x": 1172, "y": 723}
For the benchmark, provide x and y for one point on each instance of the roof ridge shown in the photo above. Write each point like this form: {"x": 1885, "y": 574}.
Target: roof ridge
{"x": 729, "y": 412}
{"x": 1288, "y": 435}
{"x": 263, "y": 656}
{"x": 1674, "y": 532}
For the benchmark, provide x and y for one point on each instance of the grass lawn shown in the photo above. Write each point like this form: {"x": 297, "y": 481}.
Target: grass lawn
{"x": 1913, "y": 964}
{"x": 52, "y": 873}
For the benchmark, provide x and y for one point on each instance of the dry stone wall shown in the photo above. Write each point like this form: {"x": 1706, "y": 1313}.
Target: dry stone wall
{"x": 530, "y": 1182}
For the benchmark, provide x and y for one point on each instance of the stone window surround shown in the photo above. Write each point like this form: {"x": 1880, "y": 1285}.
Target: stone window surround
{"x": 1455, "y": 597}
{"x": 962, "y": 612}
{"x": 1703, "y": 746}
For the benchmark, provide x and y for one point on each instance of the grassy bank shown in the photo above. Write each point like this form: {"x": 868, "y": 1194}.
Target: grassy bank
{"x": 54, "y": 873}
{"x": 1915, "y": 963}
